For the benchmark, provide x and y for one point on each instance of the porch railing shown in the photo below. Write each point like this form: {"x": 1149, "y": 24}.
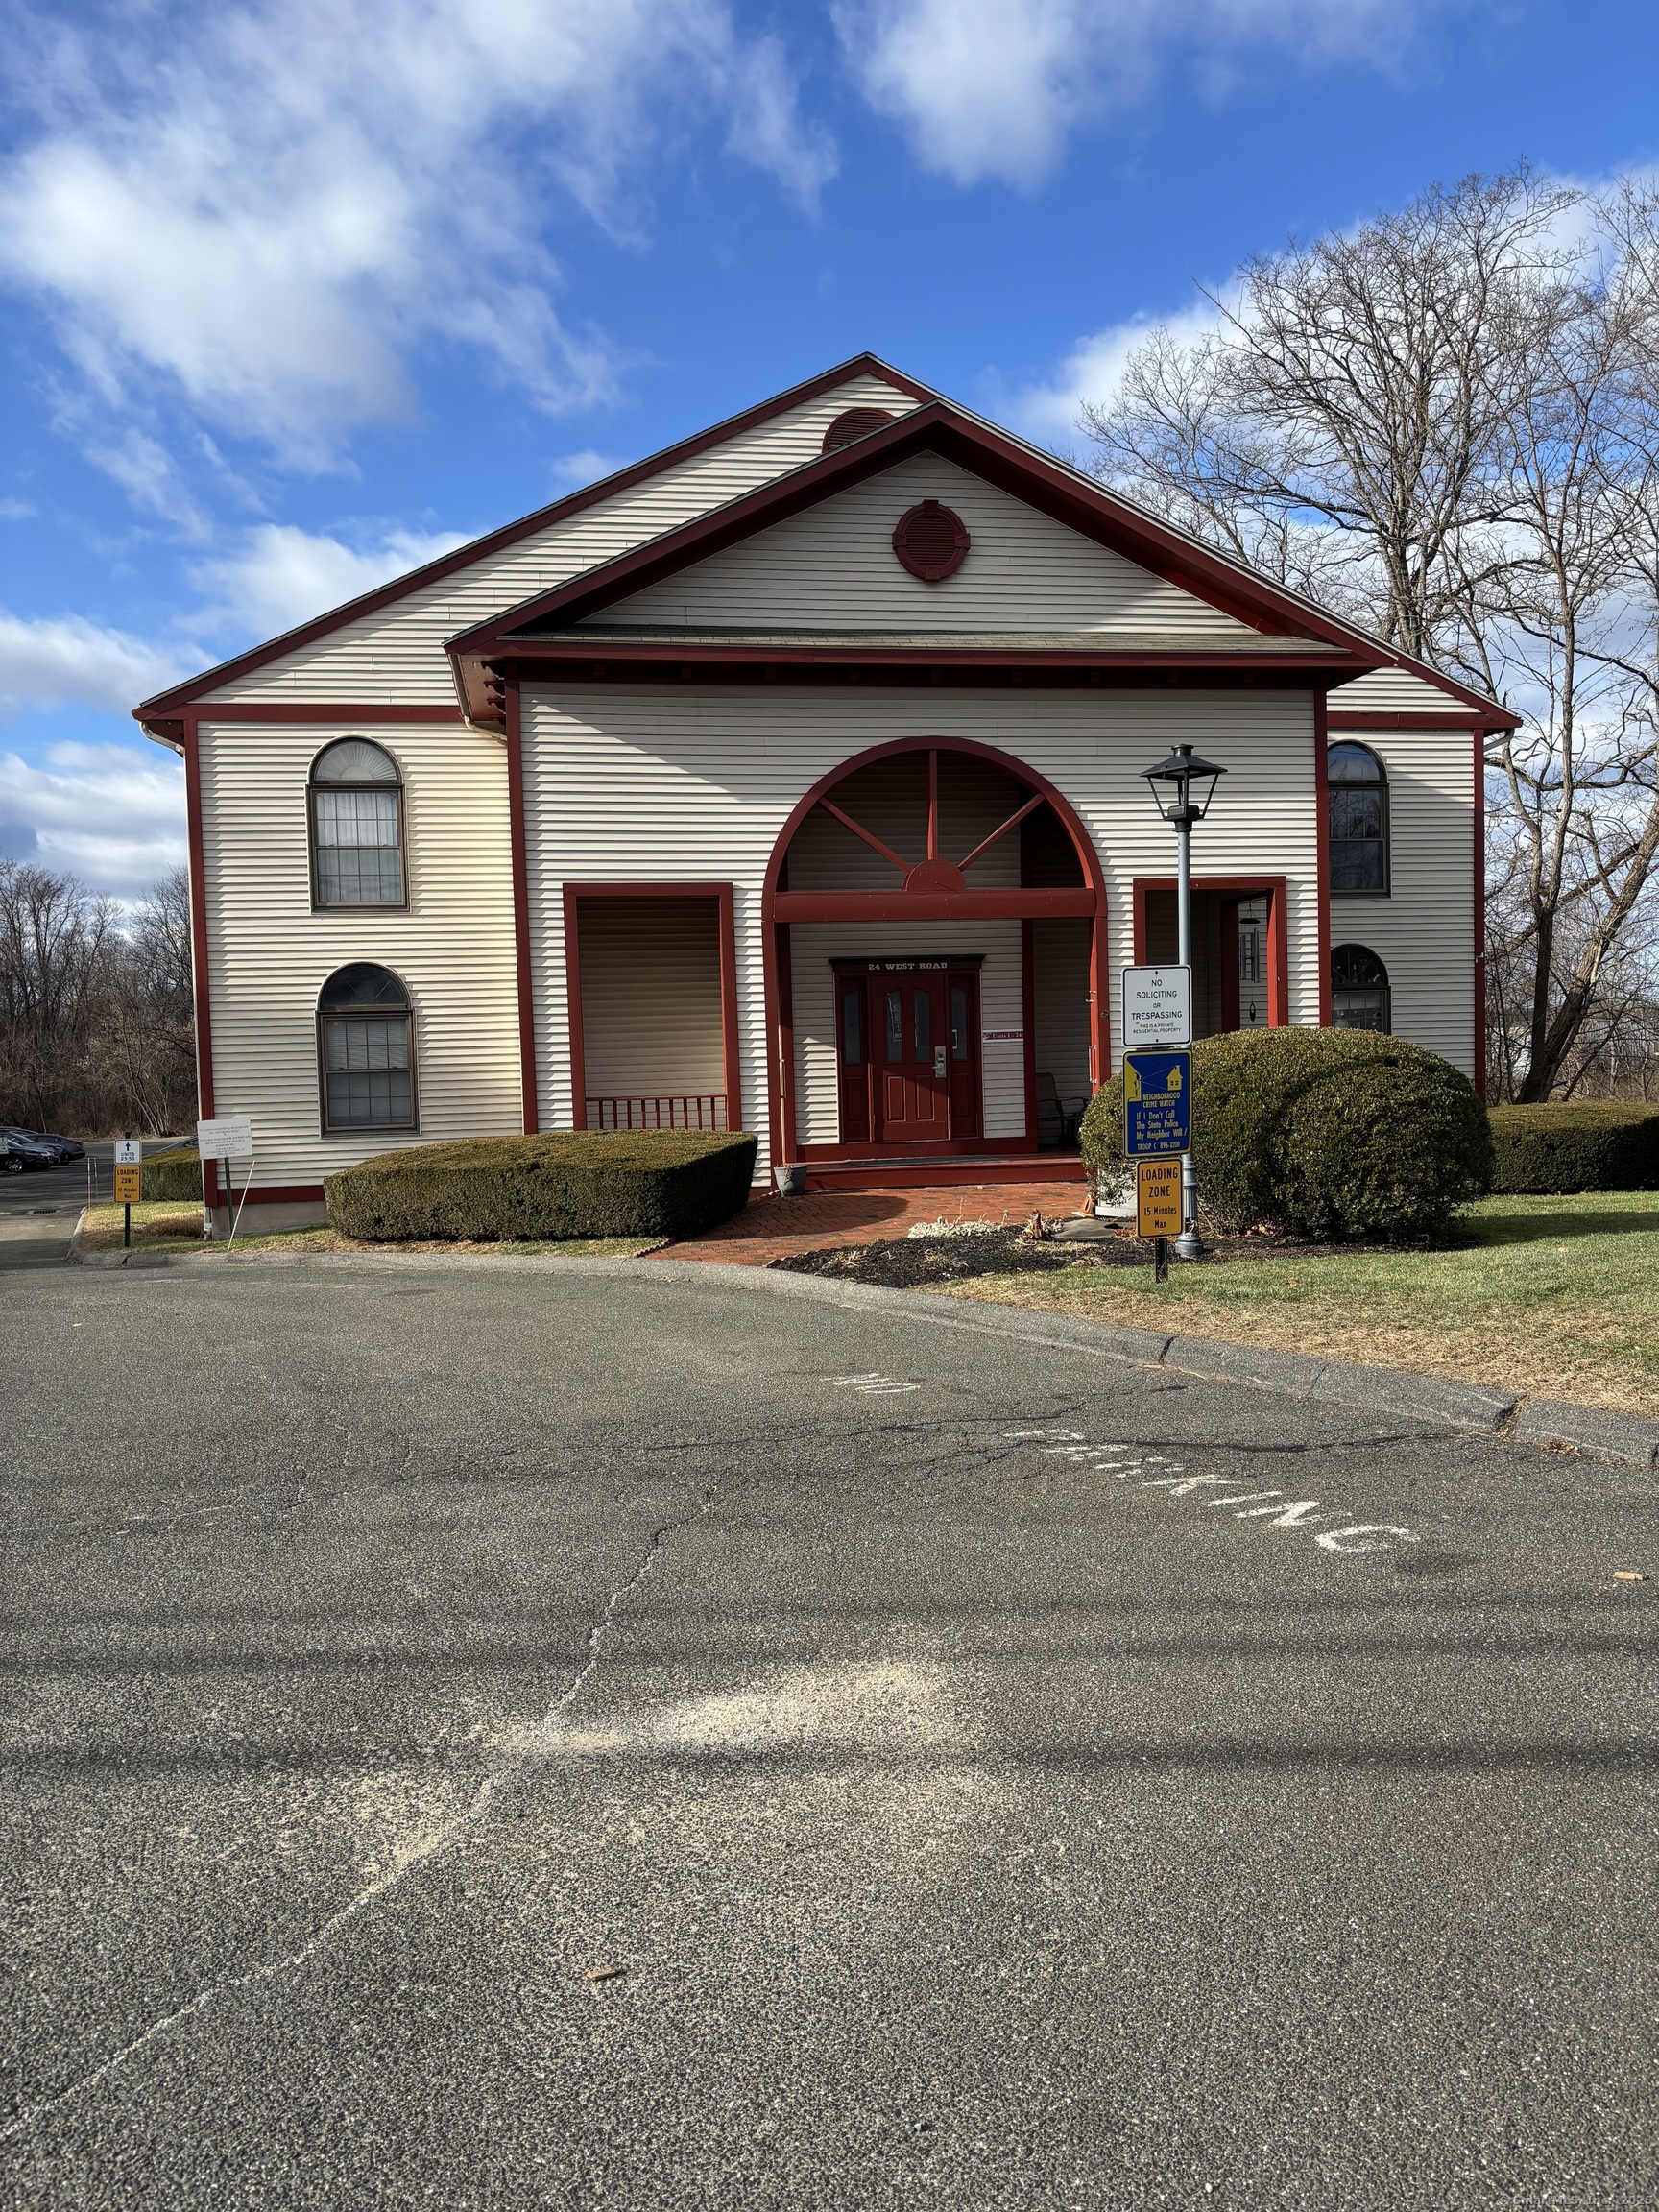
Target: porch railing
{"x": 704, "y": 1110}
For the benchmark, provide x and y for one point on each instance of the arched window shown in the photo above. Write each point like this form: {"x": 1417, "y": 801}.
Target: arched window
{"x": 1358, "y": 989}
{"x": 356, "y": 825}
{"x": 366, "y": 1050}
{"x": 1358, "y": 816}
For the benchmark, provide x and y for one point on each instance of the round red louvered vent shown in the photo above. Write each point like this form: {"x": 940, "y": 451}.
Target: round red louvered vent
{"x": 932, "y": 542}
{"x": 857, "y": 422}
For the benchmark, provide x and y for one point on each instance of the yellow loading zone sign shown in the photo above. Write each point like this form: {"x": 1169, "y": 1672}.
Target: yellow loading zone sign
{"x": 1157, "y": 1197}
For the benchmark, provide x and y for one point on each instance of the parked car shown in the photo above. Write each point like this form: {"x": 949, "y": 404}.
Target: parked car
{"x": 25, "y": 1152}
{"x": 71, "y": 1147}
{"x": 56, "y": 1149}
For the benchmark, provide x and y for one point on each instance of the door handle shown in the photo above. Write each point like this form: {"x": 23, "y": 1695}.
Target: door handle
{"x": 938, "y": 1059}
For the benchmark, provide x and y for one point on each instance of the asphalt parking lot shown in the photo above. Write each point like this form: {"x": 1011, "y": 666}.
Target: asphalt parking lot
{"x": 480, "y": 1736}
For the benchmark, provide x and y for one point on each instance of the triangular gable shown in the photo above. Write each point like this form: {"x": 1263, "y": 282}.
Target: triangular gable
{"x": 981, "y": 448}
{"x": 387, "y": 644}
{"x": 833, "y": 566}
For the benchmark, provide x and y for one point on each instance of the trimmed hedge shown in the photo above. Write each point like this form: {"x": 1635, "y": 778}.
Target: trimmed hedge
{"x": 1577, "y": 1146}
{"x": 568, "y": 1183}
{"x": 173, "y": 1175}
{"x": 1329, "y": 1134}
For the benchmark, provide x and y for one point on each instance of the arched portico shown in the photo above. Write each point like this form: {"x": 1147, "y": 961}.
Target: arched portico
{"x": 931, "y": 871}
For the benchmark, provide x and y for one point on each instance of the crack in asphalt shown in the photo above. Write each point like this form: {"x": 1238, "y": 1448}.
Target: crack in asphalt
{"x": 470, "y": 1817}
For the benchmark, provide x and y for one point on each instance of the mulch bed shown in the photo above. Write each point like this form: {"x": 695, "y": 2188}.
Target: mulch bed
{"x": 912, "y": 1263}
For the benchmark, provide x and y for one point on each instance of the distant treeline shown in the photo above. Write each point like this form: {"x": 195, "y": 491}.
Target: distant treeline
{"x": 97, "y": 1033}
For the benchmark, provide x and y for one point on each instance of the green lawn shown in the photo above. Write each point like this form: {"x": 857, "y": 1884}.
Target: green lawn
{"x": 1559, "y": 1298}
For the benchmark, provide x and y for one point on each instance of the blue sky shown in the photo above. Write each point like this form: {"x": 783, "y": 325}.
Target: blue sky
{"x": 299, "y": 292}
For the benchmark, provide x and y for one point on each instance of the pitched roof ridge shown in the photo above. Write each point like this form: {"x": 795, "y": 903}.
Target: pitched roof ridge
{"x": 1252, "y": 583}
{"x": 539, "y": 518}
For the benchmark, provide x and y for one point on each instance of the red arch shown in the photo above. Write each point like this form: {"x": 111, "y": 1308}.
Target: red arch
{"x": 778, "y": 995}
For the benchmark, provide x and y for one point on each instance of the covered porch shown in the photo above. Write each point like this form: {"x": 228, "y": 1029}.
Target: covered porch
{"x": 934, "y": 920}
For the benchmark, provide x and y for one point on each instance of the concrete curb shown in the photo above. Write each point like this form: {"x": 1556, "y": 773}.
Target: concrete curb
{"x": 1622, "y": 1437}
{"x": 1589, "y": 1429}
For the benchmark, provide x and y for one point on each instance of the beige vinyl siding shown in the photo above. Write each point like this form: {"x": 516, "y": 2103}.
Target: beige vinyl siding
{"x": 1424, "y": 931}
{"x": 395, "y": 656}
{"x": 1395, "y": 691}
{"x": 817, "y": 1081}
{"x": 833, "y": 566}
{"x": 650, "y": 997}
{"x": 683, "y": 783}
{"x": 268, "y": 954}
{"x": 1060, "y": 1001}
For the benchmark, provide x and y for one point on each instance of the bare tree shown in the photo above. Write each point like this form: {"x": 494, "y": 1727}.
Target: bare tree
{"x": 1444, "y": 426}
{"x": 95, "y": 1018}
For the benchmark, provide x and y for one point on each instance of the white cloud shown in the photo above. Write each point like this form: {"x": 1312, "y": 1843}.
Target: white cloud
{"x": 1046, "y": 412}
{"x": 111, "y": 815}
{"x": 571, "y": 470}
{"x": 993, "y": 88}
{"x": 266, "y": 206}
{"x": 281, "y": 576}
{"x": 66, "y": 661}
{"x": 15, "y": 511}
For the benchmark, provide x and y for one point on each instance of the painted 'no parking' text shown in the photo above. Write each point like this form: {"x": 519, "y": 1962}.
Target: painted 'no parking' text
{"x": 1269, "y": 1508}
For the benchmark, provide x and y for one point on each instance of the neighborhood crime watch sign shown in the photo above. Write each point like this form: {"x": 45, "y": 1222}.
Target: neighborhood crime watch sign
{"x": 1157, "y": 1197}
{"x": 1157, "y": 1105}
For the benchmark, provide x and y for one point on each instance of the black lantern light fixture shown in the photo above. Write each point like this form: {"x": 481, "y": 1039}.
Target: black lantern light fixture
{"x": 1183, "y": 785}
{"x": 1182, "y": 789}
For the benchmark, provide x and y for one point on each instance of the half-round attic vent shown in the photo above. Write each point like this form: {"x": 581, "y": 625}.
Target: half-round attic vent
{"x": 855, "y": 423}
{"x": 932, "y": 542}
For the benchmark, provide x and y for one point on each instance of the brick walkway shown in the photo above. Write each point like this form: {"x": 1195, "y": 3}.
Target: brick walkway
{"x": 771, "y": 1228}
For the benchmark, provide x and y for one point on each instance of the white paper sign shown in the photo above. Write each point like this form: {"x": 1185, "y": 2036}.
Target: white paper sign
{"x": 128, "y": 1152}
{"x": 229, "y": 1139}
{"x": 1157, "y": 1008}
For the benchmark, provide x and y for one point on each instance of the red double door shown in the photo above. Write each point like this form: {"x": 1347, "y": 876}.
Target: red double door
{"x": 908, "y": 1059}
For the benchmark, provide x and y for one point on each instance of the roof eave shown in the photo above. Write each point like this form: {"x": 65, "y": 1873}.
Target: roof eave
{"x": 191, "y": 691}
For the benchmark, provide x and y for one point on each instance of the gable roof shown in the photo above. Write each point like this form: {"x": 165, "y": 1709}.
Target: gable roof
{"x": 545, "y": 624}
{"x": 192, "y": 690}
{"x": 933, "y": 424}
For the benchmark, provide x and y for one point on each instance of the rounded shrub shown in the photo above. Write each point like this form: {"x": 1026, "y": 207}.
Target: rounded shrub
{"x": 1335, "y": 1135}
{"x": 1591, "y": 1145}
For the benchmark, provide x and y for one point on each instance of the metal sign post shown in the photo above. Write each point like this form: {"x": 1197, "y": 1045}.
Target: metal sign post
{"x": 128, "y": 1177}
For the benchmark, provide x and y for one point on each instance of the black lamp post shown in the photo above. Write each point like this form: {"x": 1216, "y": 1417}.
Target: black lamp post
{"x": 1182, "y": 789}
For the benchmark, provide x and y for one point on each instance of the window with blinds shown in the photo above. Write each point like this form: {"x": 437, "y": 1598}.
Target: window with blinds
{"x": 366, "y": 1050}
{"x": 356, "y": 827}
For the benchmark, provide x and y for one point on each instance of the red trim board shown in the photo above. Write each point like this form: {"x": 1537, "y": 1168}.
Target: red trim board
{"x": 731, "y": 1041}
{"x": 1322, "y": 865}
{"x": 200, "y": 988}
{"x": 530, "y": 1102}
{"x": 310, "y": 710}
{"x": 1277, "y": 888}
